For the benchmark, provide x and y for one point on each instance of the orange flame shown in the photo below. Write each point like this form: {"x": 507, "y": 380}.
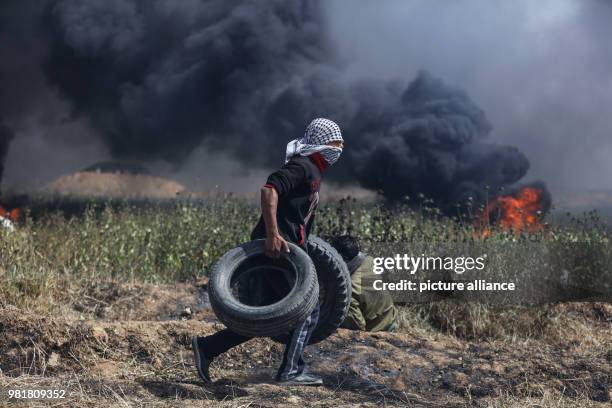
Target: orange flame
{"x": 516, "y": 213}
{"x": 12, "y": 215}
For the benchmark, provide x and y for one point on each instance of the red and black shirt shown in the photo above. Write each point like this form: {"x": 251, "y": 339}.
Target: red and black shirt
{"x": 297, "y": 184}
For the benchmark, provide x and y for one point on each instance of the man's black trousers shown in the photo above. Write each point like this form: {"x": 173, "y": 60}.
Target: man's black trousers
{"x": 293, "y": 362}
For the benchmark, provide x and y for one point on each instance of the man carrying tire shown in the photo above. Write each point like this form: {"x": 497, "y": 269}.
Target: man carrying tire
{"x": 288, "y": 203}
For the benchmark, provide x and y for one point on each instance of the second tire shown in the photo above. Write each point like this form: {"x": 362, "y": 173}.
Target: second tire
{"x": 334, "y": 289}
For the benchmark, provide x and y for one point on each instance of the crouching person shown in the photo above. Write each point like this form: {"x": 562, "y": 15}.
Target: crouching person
{"x": 288, "y": 202}
{"x": 370, "y": 309}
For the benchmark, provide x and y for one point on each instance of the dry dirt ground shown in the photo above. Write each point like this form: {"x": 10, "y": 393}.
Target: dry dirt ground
{"x": 129, "y": 345}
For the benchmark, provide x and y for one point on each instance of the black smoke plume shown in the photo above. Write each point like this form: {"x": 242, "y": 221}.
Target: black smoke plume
{"x": 434, "y": 143}
{"x": 19, "y": 25}
{"x": 158, "y": 78}
{"x": 6, "y": 135}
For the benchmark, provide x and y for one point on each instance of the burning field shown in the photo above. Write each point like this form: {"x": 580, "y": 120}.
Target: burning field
{"x": 521, "y": 211}
{"x": 7, "y": 218}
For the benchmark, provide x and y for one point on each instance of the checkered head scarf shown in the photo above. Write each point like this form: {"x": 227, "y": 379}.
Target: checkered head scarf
{"x": 318, "y": 133}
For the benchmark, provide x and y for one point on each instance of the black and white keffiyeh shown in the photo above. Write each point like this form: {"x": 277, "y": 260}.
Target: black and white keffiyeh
{"x": 318, "y": 133}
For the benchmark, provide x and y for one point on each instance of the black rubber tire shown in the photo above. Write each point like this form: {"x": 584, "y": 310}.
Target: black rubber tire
{"x": 334, "y": 289}
{"x": 269, "y": 320}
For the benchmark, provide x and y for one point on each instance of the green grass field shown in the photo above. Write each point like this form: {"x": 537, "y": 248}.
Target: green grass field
{"x": 167, "y": 241}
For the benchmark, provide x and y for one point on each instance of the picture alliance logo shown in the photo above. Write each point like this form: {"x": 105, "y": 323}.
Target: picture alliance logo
{"x": 442, "y": 286}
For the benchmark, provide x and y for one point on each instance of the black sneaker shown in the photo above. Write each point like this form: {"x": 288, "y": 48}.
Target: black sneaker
{"x": 202, "y": 361}
{"x": 303, "y": 379}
